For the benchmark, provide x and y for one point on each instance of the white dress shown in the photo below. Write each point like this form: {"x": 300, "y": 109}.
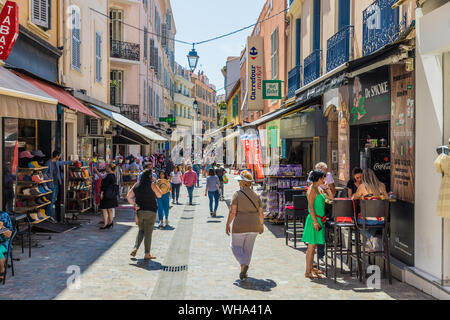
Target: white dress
{"x": 442, "y": 164}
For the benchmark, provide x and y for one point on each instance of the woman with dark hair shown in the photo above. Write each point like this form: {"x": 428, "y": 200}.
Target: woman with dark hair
{"x": 212, "y": 188}
{"x": 314, "y": 233}
{"x": 108, "y": 197}
{"x": 163, "y": 202}
{"x": 176, "y": 179}
{"x": 355, "y": 181}
{"x": 142, "y": 197}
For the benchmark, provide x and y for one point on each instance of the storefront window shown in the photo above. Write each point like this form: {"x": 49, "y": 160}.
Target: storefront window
{"x": 10, "y": 161}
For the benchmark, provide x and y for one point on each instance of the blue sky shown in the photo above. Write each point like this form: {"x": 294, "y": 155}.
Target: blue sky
{"x": 198, "y": 20}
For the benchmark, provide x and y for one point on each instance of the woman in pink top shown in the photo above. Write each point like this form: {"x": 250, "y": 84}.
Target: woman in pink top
{"x": 189, "y": 180}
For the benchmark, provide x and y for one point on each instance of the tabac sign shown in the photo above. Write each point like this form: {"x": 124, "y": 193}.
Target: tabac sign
{"x": 255, "y": 73}
{"x": 9, "y": 28}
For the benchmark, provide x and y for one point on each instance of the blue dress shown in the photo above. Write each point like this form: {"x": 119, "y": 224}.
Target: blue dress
{"x": 4, "y": 217}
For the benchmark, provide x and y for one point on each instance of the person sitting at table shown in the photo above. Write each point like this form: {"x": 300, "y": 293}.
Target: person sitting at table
{"x": 371, "y": 189}
{"x": 354, "y": 182}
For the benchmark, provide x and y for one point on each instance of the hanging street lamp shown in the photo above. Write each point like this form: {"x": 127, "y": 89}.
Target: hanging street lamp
{"x": 193, "y": 58}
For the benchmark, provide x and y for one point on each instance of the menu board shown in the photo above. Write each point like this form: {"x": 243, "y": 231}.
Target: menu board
{"x": 344, "y": 135}
{"x": 370, "y": 97}
{"x": 402, "y": 133}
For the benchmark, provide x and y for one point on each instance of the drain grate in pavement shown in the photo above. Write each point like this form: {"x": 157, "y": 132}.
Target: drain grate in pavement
{"x": 175, "y": 268}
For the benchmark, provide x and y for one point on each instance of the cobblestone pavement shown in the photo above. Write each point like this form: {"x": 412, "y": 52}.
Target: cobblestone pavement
{"x": 194, "y": 261}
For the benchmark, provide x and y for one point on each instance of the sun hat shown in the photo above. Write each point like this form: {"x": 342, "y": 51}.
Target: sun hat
{"x": 242, "y": 177}
{"x": 38, "y": 153}
{"x": 25, "y": 154}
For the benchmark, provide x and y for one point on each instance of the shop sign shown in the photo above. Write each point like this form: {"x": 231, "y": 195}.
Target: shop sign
{"x": 9, "y": 28}
{"x": 272, "y": 89}
{"x": 370, "y": 98}
{"x": 402, "y": 134}
{"x": 255, "y": 73}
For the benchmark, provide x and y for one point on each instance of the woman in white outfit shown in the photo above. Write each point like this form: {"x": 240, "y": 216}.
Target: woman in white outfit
{"x": 246, "y": 214}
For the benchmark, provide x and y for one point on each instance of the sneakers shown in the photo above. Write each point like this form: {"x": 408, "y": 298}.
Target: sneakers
{"x": 42, "y": 190}
{"x": 161, "y": 225}
{"x": 35, "y": 191}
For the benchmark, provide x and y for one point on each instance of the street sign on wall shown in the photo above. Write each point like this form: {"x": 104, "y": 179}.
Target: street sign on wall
{"x": 255, "y": 73}
{"x": 9, "y": 28}
{"x": 272, "y": 89}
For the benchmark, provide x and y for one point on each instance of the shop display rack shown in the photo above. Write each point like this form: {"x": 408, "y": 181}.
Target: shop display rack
{"x": 79, "y": 191}
{"x": 32, "y": 196}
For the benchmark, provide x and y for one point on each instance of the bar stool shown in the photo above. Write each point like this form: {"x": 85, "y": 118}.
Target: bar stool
{"x": 299, "y": 215}
{"x": 334, "y": 242}
{"x": 373, "y": 209}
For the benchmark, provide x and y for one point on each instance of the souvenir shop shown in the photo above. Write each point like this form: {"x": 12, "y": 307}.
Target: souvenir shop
{"x": 26, "y": 144}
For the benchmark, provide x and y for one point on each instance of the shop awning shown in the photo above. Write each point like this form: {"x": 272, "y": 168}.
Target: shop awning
{"x": 20, "y": 99}
{"x": 59, "y": 94}
{"x": 274, "y": 115}
{"x": 219, "y": 130}
{"x": 129, "y": 125}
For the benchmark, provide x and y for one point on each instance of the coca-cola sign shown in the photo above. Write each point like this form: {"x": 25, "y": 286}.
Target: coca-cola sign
{"x": 382, "y": 166}
{"x": 9, "y": 28}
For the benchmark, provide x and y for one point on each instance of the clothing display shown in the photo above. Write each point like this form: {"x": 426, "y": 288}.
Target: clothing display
{"x": 442, "y": 164}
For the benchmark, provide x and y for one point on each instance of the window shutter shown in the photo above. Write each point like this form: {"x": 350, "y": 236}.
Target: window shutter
{"x": 76, "y": 42}
{"x": 145, "y": 43}
{"x": 164, "y": 35}
{"x": 40, "y": 13}
{"x": 145, "y": 97}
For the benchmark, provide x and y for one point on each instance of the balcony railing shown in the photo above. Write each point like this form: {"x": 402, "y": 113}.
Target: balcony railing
{"x": 311, "y": 67}
{"x": 131, "y": 111}
{"x": 125, "y": 50}
{"x": 381, "y": 25}
{"x": 294, "y": 81}
{"x": 339, "y": 48}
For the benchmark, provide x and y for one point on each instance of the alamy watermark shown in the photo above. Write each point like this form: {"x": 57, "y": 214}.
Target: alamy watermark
{"x": 74, "y": 280}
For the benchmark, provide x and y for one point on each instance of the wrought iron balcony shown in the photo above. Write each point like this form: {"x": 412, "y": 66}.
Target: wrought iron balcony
{"x": 131, "y": 111}
{"x": 294, "y": 81}
{"x": 311, "y": 69}
{"x": 125, "y": 50}
{"x": 381, "y": 25}
{"x": 339, "y": 48}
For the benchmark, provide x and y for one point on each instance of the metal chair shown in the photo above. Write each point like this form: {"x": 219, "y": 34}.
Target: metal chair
{"x": 334, "y": 242}
{"x": 9, "y": 253}
{"x": 299, "y": 215}
{"x": 373, "y": 209}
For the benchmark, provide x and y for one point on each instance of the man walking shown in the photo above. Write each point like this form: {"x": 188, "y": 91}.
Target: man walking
{"x": 189, "y": 180}
{"x": 53, "y": 172}
{"x": 220, "y": 172}
{"x": 197, "y": 171}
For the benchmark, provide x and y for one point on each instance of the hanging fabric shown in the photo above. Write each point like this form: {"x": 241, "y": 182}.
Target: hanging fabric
{"x": 442, "y": 164}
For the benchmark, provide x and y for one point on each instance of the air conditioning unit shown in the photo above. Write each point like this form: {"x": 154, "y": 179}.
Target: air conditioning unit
{"x": 94, "y": 128}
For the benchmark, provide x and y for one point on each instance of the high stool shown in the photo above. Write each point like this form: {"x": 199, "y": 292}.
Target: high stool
{"x": 299, "y": 215}
{"x": 334, "y": 242}
{"x": 373, "y": 209}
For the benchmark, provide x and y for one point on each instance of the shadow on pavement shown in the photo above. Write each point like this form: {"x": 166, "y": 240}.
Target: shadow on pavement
{"x": 147, "y": 265}
{"x": 256, "y": 284}
{"x": 277, "y": 230}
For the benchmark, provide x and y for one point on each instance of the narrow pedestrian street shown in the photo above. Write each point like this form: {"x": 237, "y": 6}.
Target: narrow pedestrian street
{"x": 194, "y": 261}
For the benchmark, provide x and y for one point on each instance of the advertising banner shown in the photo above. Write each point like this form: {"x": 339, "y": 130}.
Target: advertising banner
{"x": 343, "y": 135}
{"x": 9, "y": 28}
{"x": 255, "y": 73}
{"x": 253, "y": 155}
{"x": 402, "y": 133}
{"x": 370, "y": 99}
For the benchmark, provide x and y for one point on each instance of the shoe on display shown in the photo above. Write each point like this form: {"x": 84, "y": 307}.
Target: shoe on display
{"x": 35, "y": 191}
{"x": 45, "y": 199}
{"x": 34, "y": 216}
{"x": 42, "y": 190}
{"x": 19, "y": 204}
{"x": 47, "y": 189}
{"x": 35, "y": 164}
{"x": 40, "y": 215}
{"x": 30, "y": 164}
{"x": 36, "y": 178}
{"x": 27, "y": 178}
{"x": 20, "y": 177}
{"x": 26, "y": 192}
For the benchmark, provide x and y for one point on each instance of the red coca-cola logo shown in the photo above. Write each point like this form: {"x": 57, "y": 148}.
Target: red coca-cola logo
{"x": 382, "y": 166}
